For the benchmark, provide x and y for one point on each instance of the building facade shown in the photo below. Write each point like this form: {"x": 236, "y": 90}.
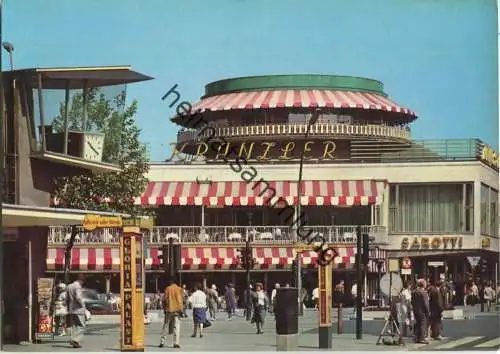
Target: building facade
{"x": 44, "y": 137}
{"x": 233, "y": 177}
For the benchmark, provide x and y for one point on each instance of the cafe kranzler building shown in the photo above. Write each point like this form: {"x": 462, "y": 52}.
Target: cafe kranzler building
{"x": 434, "y": 202}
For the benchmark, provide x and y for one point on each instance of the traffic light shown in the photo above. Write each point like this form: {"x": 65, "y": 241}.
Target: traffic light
{"x": 366, "y": 249}
{"x": 294, "y": 266}
{"x": 246, "y": 257}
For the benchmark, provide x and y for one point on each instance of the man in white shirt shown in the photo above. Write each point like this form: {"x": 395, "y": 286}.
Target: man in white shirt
{"x": 198, "y": 301}
{"x": 315, "y": 297}
{"x": 354, "y": 293}
{"x": 273, "y": 295}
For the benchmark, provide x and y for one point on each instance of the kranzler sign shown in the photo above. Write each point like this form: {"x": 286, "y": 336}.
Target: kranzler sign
{"x": 432, "y": 243}
{"x": 261, "y": 151}
{"x": 92, "y": 222}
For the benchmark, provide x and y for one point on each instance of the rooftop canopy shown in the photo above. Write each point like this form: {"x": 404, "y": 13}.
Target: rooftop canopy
{"x": 297, "y": 92}
{"x": 78, "y": 78}
{"x": 294, "y": 82}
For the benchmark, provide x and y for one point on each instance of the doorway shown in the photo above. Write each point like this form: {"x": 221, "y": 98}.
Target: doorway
{"x": 15, "y": 291}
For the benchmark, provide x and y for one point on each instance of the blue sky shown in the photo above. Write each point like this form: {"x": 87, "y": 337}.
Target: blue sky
{"x": 438, "y": 57}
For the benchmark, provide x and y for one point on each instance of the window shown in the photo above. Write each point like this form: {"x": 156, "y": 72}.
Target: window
{"x": 485, "y": 196}
{"x": 494, "y": 212}
{"x": 489, "y": 211}
{"x": 444, "y": 208}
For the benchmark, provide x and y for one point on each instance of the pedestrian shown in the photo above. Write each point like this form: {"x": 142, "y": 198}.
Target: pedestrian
{"x": 273, "y": 296}
{"x": 185, "y": 298}
{"x": 230, "y": 298}
{"x": 315, "y": 297}
{"x": 406, "y": 309}
{"x": 354, "y": 294}
{"x": 489, "y": 295}
{"x": 420, "y": 306}
{"x": 213, "y": 301}
{"x": 474, "y": 294}
{"x": 260, "y": 303}
{"x": 173, "y": 305}
{"x": 61, "y": 310}
{"x": 77, "y": 311}
{"x": 436, "y": 308}
{"x": 198, "y": 301}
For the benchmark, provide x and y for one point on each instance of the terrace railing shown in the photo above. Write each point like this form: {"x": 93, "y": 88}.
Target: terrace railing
{"x": 287, "y": 129}
{"x": 272, "y": 235}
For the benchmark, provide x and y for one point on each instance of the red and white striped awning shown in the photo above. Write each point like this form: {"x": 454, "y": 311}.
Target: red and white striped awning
{"x": 299, "y": 99}
{"x": 85, "y": 259}
{"x": 202, "y": 258}
{"x": 363, "y": 192}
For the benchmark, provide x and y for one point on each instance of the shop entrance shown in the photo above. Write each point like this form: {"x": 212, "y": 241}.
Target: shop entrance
{"x": 15, "y": 292}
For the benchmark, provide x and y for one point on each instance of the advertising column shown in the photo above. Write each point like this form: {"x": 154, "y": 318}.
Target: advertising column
{"x": 131, "y": 290}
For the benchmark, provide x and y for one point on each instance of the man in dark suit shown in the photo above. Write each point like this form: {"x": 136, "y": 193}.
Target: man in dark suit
{"x": 436, "y": 307}
{"x": 420, "y": 305}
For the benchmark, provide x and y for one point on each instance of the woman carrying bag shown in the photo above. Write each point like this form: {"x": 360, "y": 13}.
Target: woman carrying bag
{"x": 61, "y": 310}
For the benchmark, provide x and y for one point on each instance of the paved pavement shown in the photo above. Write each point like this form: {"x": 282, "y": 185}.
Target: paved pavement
{"x": 238, "y": 335}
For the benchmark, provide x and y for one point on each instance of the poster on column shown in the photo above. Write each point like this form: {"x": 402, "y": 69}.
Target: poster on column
{"x": 45, "y": 295}
{"x": 325, "y": 295}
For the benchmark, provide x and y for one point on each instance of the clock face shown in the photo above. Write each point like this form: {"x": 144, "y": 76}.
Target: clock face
{"x": 93, "y": 148}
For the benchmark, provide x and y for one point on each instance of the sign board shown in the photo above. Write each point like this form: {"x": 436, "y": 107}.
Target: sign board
{"x": 473, "y": 261}
{"x": 435, "y": 264}
{"x": 393, "y": 265}
{"x": 485, "y": 243}
{"x": 92, "y": 222}
{"x": 406, "y": 271}
{"x": 406, "y": 263}
{"x": 489, "y": 156}
{"x": 325, "y": 295}
{"x": 432, "y": 243}
{"x": 45, "y": 292}
{"x": 260, "y": 151}
{"x": 141, "y": 223}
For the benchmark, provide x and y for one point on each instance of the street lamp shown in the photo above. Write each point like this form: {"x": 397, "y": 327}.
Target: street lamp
{"x": 313, "y": 119}
{"x": 380, "y": 263}
{"x": 10, "y": 49}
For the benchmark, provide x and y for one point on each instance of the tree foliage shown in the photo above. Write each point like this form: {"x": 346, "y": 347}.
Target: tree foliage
{"x": 110, "y": 191}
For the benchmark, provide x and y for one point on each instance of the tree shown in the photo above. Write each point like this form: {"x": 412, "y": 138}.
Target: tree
{"x": 112, "y": 191}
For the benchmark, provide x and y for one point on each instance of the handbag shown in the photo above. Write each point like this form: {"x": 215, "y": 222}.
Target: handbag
{"x": 88, "y": 315}
{"x": 207, "y": 324}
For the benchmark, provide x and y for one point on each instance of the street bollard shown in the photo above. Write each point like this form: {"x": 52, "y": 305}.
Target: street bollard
{"x": 339, "y": 319}
{"x": 287, "y": 319}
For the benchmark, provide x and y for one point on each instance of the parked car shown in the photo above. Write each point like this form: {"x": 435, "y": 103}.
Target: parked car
{"x": 95, "y": 302}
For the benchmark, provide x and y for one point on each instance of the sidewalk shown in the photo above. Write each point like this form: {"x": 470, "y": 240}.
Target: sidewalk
{"x": 156, "y": 316}
{"x": 236, "y": 335}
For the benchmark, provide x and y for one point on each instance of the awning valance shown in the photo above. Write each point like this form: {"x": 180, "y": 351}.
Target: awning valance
{"x": 203, "y": 258}
{"x": 299, "y": 99}
{"x": 89, "y": 259}
{"x": 361, "y": 192}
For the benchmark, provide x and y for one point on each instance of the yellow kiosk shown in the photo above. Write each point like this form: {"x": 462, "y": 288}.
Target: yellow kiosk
{"x": 131, "y": 284}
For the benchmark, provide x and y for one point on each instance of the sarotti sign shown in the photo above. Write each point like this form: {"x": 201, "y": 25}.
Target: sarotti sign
{"x": 432, "y": 243}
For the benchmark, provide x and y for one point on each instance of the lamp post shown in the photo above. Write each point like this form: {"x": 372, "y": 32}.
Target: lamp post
{"x": 380, "y": 262}
{"x": 10, "y": 49}
{"x": 313, "y": 119}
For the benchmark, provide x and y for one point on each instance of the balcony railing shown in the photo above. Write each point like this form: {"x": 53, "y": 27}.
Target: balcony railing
{"x": 272, "y": 235}
{"x": 319, "y": 129}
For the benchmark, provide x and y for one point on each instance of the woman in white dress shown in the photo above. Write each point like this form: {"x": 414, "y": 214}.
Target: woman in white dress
{"x": 406, "y": 309}
{"x": 61, "y": 310}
